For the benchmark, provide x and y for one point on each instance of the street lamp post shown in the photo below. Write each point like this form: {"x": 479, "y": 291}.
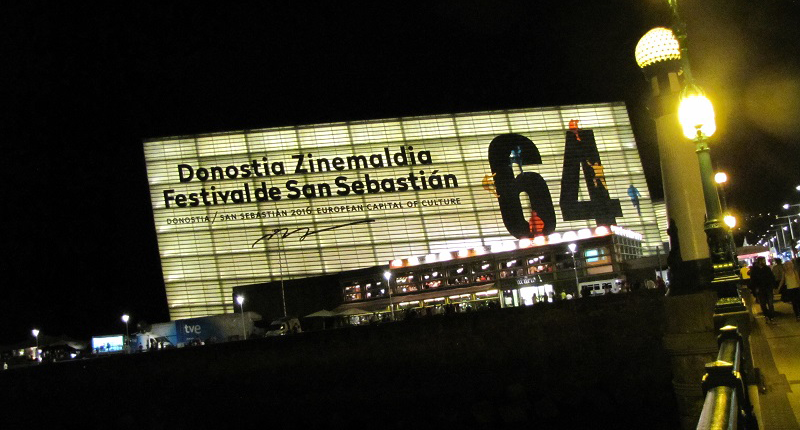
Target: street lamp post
{"x": 280, "y": 263}
{"x": 791, "y": 233}
{"x": 572, "y": 248}
{"x": 791, "y": 236}
{"x": 783, "y": 236}
{"x": 788, "y": 206}
{"x": 721, "y": 178}
{"x": 388, "y": 275}
{"x": 125, "y": 319}
{"x": 35, "y": 333}
{"x": 781, "y": 240}
{"x": 696, "y": 115}
{"x": 661, "y": 57}
{"x": 699, "y": 249}
{"x": 240, "y": 301}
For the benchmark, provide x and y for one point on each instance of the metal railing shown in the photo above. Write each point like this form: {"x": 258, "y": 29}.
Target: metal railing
{"x": 727, "y": 404}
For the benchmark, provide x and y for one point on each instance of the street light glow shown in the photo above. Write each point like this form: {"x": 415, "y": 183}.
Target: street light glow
{"x": 388, "y": 275}
{"x": 721, "y": 177}
{"x": 240, "y": 301}
{"x": 572, "y": 247}
{"x": 35, "y": 333}
{"x": 657, "y": 45}
{"x": 730, "y": 221}
{"x": 125, "y": 319}
{"x": 696, "y": 113}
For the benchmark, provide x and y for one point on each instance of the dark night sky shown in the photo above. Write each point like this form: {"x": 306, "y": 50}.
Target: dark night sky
{"x": 84, "y": 86}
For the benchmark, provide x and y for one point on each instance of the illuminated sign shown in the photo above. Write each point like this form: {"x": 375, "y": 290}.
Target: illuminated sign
{"x": 106, "y": 344}
{"x": 260, "y": 205}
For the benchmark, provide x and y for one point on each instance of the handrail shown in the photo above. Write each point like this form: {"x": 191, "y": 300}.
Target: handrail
{"x": 727, "y": 405}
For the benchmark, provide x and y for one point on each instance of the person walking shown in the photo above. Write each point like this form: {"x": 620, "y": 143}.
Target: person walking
{"x": 744, "y": 272}
{"x": 763, "y": 281}
{"x": 792, "y": 274}
{"x": 780, "y": 279}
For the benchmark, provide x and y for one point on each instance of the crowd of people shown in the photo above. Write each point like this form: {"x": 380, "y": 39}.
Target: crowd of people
{"x": 780, "y": 278}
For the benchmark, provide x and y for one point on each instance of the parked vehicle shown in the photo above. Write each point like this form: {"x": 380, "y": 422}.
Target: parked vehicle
{"x": 284, "y": 326}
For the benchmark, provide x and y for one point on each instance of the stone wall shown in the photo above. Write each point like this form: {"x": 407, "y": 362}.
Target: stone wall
{"x": 591, "y": 363}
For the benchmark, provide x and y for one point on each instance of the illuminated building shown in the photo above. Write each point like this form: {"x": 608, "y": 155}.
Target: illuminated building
{"x": 257, "y": 206}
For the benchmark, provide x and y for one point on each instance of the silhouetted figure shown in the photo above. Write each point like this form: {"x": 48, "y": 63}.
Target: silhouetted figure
{"x": 762, "y": 281}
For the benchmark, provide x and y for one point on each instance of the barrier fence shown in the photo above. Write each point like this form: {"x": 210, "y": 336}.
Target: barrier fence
{"x": 727, "y": 404}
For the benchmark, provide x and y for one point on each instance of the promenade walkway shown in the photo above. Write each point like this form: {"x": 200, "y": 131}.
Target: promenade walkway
{"x": 776, "y": 354}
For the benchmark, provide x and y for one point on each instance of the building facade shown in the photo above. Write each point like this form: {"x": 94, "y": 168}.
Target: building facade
{"x": 519, "y": 273}
{"x": 256, "y": 206}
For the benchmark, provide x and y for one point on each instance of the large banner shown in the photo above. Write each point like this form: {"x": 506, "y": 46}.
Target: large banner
{"x": 260, "y": 205}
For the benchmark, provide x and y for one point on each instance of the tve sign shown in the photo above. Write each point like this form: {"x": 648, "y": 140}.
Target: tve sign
{"x": 192, "y": 329}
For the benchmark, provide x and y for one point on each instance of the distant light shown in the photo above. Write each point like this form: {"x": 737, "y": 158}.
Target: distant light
{"x": 240, "y": 299}
{"x": 721, "y": 178}
{"x": 388, "y": 275}
{"x": 463, "y": 253}
{"x": 539, "y": 240}
{"x": 601, "y": 231}
{"x": 570, "y": 235}
{"x": 126, "y": 318}
{"x": 397, "y": 263}
{"x": 445, "y": 256}
{"x": 657, "y": 45}
{"x": 554, "y": 238}
{"x": 584, "y": 233}
{"x": 730, "y": 221}
{"x": 525, "y": 243}
{"x": 430, "y": 258}
{"x": 572, "y": 247}
{"x": 35, "y": 332}
{"x": 786, "y": 205}
{"x": 413, "y": 261}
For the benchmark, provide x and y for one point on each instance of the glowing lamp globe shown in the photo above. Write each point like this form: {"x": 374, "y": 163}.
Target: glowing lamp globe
{"x": 657, "y": 45}
{"x": 720, "y": 178}
{"x": 730, "y": 221}
{"x": 696, "y": 114}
